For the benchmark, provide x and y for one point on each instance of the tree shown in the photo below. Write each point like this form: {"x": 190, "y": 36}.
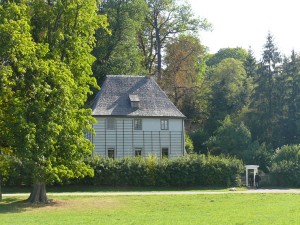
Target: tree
{"x": 118, "y": 52}
{"x": 285, "y": 170}
{"x": 166, "y": 19}
{"x": 224, "y": 53}
{"x": 287, "y": 96}
{"x": 264, "y": 103}
{"x": 185, "y": 68}
{"x": 250, "y": 64}
{"x": 233, "y": 139}
{"x": 46, "y": 67}
{"x": 230, "y": 91}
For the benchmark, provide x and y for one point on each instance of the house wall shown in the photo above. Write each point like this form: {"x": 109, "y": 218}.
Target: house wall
{"x": 124, "y": 139}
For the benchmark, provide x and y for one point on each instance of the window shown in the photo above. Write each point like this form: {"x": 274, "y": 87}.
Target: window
{"x": 164, "y": 152}
{"x": 135, "y": 100}
{"x": 111, "y": 153}
{"x": 164, "y": 124}
{"x": 135, "y": 104}
{"x": 137, "y": 124}
{"x": 111, "y": 124}
{"x": 88, "y": 135}
{"x": 138, "y": 152}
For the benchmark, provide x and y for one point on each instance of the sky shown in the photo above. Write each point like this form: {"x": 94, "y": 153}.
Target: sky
{"x": 245, "y": 23}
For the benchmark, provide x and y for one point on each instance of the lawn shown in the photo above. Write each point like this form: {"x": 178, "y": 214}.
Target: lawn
{"x": 167, "y": 209}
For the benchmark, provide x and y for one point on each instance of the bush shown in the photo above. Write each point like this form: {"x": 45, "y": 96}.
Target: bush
{"x": 192, "y": 170}
{"x": 189, "y": 146}
{"x": 285, "y": 169}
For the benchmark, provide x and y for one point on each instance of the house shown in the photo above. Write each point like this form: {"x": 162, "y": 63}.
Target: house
{"x": 136, "y": 118}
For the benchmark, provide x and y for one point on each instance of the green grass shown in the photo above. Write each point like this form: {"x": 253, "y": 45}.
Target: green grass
{"x": 167, "y": 209}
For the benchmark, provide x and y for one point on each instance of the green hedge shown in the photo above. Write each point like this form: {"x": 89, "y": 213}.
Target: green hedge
{"x": 193, "y": 170}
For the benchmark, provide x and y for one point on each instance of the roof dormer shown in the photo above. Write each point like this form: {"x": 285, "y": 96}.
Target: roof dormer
{"x": 135, "y": 101}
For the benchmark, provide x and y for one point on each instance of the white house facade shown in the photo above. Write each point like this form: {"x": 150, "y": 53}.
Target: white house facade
{"x": 136, "y": 118}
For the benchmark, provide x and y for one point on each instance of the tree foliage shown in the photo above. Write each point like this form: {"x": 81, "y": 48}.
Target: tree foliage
{"x": 285, "y": 170}
{"x": 224, "y": 53}
{"x": 46, "y": 75}
{"x": 184, "y": 76}
{"x": 230, "y": 90}
{"x": 118, "y": 52}
{"x": 230, "y": 138}
{"x": 165, "y": 19}
{"x": 266, "y": 97}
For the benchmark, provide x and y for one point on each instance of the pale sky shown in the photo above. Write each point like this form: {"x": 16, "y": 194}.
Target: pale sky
{"x": 241, "y": 23}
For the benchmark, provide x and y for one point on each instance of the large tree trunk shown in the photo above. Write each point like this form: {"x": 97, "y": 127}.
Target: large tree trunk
{"x": 38, "y": 193}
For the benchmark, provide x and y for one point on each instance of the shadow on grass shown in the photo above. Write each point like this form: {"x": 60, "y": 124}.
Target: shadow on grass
{"x": 102, "y": 188}
{"x": 17, "y": 205}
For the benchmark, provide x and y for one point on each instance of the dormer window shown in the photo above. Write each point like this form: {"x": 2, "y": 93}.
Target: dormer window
{"x": 135, "y": 101}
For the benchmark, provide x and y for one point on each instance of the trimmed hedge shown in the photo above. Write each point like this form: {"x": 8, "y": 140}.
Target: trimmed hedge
{"x": 192, "y": 170}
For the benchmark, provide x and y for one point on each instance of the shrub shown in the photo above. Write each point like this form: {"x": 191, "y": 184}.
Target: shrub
{"x": 189, "y": 146}
{"x": 285, "y": 169}
{"x": 192, "y": 170}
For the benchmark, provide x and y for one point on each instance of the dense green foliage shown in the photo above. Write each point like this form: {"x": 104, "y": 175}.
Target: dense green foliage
{"x": 285, "y": 169}
{"x": 45, "y": 78}
{"x": 193, "y": 170}
{"x": 118, "y": 52}
{"x": 225, "y": 53}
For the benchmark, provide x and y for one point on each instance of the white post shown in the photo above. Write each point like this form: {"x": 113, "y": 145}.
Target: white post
{"x": 247, "y": 177}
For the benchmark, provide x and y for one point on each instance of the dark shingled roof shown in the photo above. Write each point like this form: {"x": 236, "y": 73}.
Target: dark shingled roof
{"x": 113, "y": 98}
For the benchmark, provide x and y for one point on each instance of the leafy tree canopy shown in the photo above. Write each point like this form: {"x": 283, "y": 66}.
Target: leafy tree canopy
{"x": 45, "y": 73}
{"x": 224, "y": 53}
{"x": 118, "y": 52}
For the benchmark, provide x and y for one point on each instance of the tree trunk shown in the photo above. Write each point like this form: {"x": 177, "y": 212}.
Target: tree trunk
{"x": 0, "y": 189}
{"x": 158, "y": 47}
{"x": 38, "y": 193}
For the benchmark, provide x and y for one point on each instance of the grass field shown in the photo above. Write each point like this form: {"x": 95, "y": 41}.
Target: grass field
{"x": 167, "y": 209}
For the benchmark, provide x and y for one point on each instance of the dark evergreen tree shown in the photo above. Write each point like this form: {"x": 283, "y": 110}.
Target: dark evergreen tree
{"x": 263, "y": 118}
{"x": 250, "y": 64}
{"x": 289, "y": 93}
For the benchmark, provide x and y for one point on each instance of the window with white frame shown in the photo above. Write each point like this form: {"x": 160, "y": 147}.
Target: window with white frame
{"x": 165, "y": 152}
{"x": 138, "y": 152}
{"x": 111, "y": 153}
{"x": 111, "y": 124}
{"x": 164, "y": 124}
{"x": 137, "y": 124}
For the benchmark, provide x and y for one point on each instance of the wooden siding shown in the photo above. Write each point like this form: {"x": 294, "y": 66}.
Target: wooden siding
{"x": 124, "y": 139}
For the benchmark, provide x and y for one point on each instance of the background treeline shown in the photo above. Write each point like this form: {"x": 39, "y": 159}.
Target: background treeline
{"x": 235, "y": 104}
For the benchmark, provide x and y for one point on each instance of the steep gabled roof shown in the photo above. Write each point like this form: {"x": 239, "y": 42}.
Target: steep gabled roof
{"x": 114, "y": 98}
